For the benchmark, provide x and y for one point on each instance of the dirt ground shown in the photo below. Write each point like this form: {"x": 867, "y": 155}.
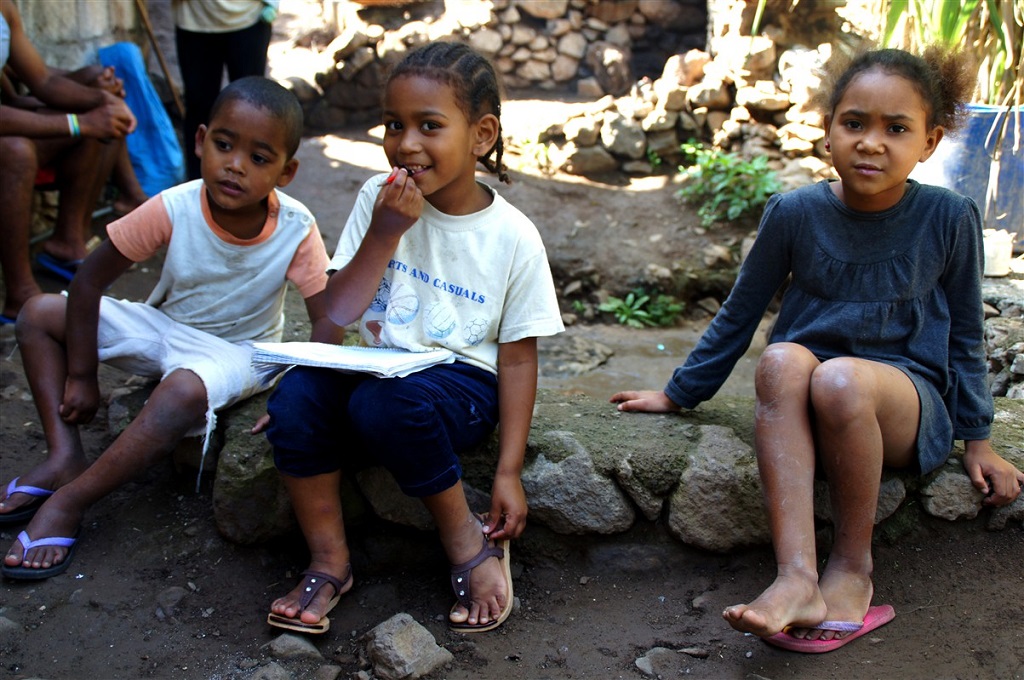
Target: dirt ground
{"x": 155, "y": 592}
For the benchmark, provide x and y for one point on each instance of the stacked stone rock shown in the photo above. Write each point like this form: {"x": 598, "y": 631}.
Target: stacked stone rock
{"x": 746, "y": 98}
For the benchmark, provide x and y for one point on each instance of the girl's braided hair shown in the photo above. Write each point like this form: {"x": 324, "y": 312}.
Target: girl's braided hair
{"x": 944, "y": 78}
{"x": 473, "y": 80}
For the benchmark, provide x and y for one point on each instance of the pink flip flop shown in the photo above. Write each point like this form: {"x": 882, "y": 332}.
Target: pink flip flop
{"x": 875, "y": 618}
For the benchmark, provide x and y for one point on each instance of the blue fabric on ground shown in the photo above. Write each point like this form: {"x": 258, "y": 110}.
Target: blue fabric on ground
{"x": 153, "y": 148}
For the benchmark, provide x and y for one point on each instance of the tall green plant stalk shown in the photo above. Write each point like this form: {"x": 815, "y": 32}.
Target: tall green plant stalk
{"x": 992, "y": 30}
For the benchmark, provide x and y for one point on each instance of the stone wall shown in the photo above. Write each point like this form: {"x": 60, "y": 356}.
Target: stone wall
{"x": 69, "y": 33}
{"x": 590, "y": 47}
{"x": 593, "y": 470}
{"x": 702, "y": 75}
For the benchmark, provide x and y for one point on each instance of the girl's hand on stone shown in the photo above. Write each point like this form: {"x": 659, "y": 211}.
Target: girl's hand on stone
{"x": 648, "y": 401}
{"x": 991, "y": 474}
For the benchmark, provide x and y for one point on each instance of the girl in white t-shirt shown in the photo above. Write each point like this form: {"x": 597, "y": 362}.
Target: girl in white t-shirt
{"x": 429, "y": 258}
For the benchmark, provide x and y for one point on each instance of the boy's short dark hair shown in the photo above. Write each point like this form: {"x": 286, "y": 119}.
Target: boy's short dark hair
{"x": 271, "y": 96}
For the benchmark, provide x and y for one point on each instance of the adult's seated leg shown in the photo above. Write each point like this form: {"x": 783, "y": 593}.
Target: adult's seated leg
{"x": 17, "y": 182}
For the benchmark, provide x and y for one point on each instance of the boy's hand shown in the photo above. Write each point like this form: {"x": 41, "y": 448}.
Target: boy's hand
{"x": 507, "y": 518}
{"x": 398, "y": 206}
{"x": 991, "y": 474}
{"x": 81, "y": 399}
{"x": 649, "y": 401}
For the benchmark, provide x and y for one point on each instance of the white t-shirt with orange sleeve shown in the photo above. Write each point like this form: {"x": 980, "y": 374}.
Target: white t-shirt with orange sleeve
{"x": 215, "y": 282}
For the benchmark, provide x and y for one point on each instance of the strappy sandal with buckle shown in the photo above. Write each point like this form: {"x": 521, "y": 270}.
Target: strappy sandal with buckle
{"x": 312, "y": 582}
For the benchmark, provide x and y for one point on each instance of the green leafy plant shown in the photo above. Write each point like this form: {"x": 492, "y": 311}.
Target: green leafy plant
{"x": 628, "y": 311}
{"x": 665, "y": 310}
{"x": 991, "y": 30}
{"x": 639, "y": 309}
{"x": 725, "y": 185}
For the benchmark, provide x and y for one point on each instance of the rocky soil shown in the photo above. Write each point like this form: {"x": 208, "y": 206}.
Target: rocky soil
{"x": 155, "y": 592}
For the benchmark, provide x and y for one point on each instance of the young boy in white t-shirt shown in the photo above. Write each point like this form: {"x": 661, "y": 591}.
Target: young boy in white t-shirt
{"x": 233, "y": 242}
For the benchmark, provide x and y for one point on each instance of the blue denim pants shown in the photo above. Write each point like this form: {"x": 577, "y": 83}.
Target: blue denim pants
{"x": 323, "y": 420}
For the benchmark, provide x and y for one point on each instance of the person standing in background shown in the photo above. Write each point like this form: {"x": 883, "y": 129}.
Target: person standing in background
{"x": 211, "y": 35}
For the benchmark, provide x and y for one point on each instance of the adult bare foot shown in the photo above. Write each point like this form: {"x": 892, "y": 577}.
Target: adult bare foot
{"x": 793, "y": 598}
{"x": 847, "y": 595}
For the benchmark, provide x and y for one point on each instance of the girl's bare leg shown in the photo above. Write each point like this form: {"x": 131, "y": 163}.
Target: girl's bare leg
{"x": 785, "y": 457}
{"x": 317, "y": 504}
{"x": 40, "y": 333}
{"x": 462, "y": 537}
{"x": 177, "y": 404}
{"x": 866, "y": 416}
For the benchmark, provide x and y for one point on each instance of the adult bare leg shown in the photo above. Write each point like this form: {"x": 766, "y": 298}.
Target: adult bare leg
{"x": 81, "y": 175}
{"x": 17, "y": 182}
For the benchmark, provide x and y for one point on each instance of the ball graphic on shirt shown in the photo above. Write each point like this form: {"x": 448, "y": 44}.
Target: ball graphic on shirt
{"x": 474, "y": 332}
{"x": 439, "y": 320}
{"x": 380, "y": 298}
{"x": 403, "y": 306}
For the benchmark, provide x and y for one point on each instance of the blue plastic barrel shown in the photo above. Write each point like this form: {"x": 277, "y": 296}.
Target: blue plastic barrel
{"x": 963, "y": 162}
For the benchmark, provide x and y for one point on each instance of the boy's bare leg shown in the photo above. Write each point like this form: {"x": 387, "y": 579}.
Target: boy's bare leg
{"x": 317, "y": 504}
{"x": 785, "y": 457}
{"x": 867, "y": 415}
{"x": 177, "y": 405}
{"x": 462, "y": 537}
{"x": 40, "y": 333}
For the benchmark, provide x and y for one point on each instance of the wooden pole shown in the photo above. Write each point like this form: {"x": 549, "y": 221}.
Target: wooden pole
{"x": 141, "y": 4}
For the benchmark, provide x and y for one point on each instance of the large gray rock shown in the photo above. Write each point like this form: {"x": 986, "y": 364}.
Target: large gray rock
{"x": 717, "y": 505}
{"x": 401, "y": 649}
{"x": 250, "y": 505}
{"x": 571, "y": 496}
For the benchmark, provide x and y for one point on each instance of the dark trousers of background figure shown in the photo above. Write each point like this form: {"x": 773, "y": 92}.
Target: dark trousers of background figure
{"x": 203, "y": 58}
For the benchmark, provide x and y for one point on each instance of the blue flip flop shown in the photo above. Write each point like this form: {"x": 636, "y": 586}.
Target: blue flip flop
{"x": 6, "y": 320}
{"x": 65, "y": 269}
{"x": 28, "y": 574}
{"x": 27, "y": 511}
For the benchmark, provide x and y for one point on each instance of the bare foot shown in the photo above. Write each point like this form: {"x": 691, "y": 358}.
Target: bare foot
{"x": 793, "y": 598}
{"x": 487, "y": 583}
{"x": 53, "y": 473}
{"x": 289, "y": 606}
{"x": 847, "y": 595}
{"x": 53, "y": 520}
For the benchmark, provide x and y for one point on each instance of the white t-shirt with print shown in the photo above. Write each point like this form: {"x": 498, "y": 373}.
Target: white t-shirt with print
{"x": 465, "y": 283}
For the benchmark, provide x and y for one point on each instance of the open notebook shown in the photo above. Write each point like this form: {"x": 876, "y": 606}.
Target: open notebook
{"x": 384, "y": 362}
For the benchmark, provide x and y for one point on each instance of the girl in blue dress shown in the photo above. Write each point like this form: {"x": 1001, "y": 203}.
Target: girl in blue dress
{"x": 877, "y": 357}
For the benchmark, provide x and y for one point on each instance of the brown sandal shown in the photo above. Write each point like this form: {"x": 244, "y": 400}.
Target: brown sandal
{"x": 460, "y": 584}
{"x": 311, "y": 585}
